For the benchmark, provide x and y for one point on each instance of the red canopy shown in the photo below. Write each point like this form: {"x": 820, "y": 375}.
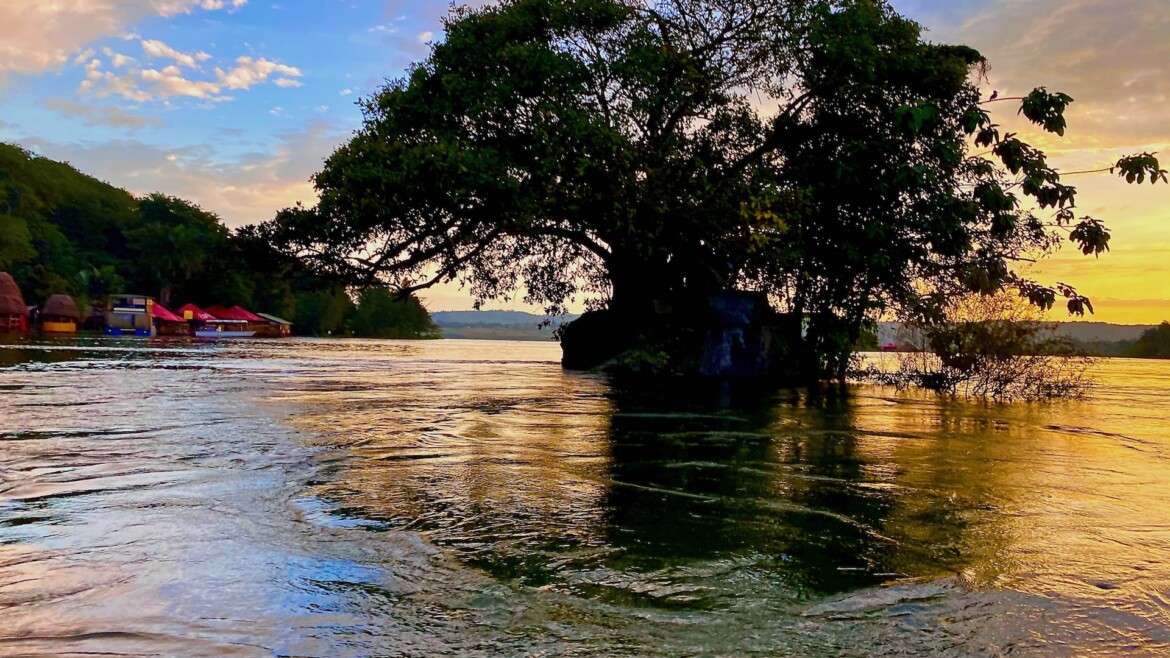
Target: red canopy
{"x": 163, "y": 313}
{"x": 234, "y": 314}
{"x": 196, "y": 313}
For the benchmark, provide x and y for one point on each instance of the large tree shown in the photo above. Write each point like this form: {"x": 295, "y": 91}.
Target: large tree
{"x": 820, "y": 151}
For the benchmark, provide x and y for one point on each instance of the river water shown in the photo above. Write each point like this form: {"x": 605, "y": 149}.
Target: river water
{"x": 359, "y": 498}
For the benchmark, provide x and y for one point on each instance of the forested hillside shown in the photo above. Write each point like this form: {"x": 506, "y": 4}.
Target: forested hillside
{"x": 62, "y": 231}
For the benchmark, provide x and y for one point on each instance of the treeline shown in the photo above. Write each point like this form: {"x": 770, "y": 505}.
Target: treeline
{"x": 1154, "y": 343}
{"x": 62, "y": 231}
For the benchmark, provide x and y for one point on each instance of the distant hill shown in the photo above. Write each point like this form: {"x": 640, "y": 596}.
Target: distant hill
{"x": 1101, "y": 332}
{"x": 498, "y": 325}
{"x": 1100, "y": 338}
{"x": 519, "y": 325}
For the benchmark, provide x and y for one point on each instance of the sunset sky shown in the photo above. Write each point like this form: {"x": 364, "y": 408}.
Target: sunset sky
{"x": 234, "y": 103}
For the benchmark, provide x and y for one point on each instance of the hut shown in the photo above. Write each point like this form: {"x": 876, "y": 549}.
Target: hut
{"x": 195, "y": 315}
{"x": 241, "y": 319}
{"x": 13, "y": 312}
{"x": 208, "y": 324}
{"x": 274, "y": 327}
{"x": 168, "y": 323}
{"x": 130, "y": 315}
{"x": 59, "y": 315}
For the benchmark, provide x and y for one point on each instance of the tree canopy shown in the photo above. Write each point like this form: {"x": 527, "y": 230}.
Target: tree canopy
{"x": 1153, "y": 343}
{"x": 820, "y": 151}
{"x": 62, "y": 231}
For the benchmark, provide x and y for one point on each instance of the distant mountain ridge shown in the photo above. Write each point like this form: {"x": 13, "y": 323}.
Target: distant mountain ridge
{"x": 521, "y": 325}
{"x": 500, "y": 318}
{"x": 498, "y": 325}
{"x": 1101, "y": 331}
{"x": 1085, "y": 332}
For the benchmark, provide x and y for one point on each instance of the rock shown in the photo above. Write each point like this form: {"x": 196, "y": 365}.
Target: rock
{"x": 741, "y": 339}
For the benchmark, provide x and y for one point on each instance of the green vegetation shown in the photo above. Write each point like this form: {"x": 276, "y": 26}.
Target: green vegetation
{"x": 62, "y": 231}
{"x": 381, "y": 314}
{"x": 620, "y": 148}
{"x": 1154, "y": 343}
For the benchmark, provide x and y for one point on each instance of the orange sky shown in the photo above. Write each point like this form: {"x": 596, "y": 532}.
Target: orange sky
{"x": 250, "y": 149}
{"x": 1113, "y": 58}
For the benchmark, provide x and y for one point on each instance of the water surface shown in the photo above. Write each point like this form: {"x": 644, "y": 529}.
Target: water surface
{"x": 324, "y": 498}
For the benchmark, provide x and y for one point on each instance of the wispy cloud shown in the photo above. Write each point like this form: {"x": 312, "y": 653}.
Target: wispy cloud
{"x": 243, "y": 189}
{"x": 158, "y": 49}
{"x": 97, "y": 115}
{"x": 147, "y": 84}
{"x": 249, "y": 72}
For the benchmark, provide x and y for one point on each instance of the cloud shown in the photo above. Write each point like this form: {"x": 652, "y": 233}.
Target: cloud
{"x": 424, "y": 37}
{"x": 345, "y": 92}
{"x": 118, "y": 59}
{"x": 41, "y": 35}
{"x": 95, "y": 115}
{"x": 1075, "y": 46}
{"x": 170, "y": 82}
{"x": 142, "y": 85}
{"x": 1110, "y": 56}
{"x": 241, "y": 190}
{"x": 158, "y": 49}
{"x": 249, "y": 72}
{"x": 105, "y": 83}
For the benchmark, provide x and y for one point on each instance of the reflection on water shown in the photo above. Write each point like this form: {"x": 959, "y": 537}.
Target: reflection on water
{"x": 379, "y": 498}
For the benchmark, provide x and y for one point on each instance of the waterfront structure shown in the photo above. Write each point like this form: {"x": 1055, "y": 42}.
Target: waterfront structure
{"x": 234, "y": 322}
{"x": 274, "y": 327}
{"x": 168, "y": 323}
{"x": 195, "y": 315}
{"x": 238, "y": 320}
{"x": 13, "y": 312}
{"x": 130, "y": 315}
{"x": 59, "y": 315}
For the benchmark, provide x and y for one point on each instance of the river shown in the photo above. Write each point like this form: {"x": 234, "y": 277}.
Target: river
{"x": 360, "y": 498}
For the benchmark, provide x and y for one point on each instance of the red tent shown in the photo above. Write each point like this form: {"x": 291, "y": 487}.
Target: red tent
{"x": 163, "y": 313}
{"x": 234, "y": 314}
{"x": 193, "y": 312}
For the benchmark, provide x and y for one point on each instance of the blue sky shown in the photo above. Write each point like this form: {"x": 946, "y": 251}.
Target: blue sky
{"x": 234, "y": 103}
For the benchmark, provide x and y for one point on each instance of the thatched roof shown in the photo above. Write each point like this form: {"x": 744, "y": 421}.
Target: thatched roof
{"x": 61, "y": 306}
{"x": 11, "y": 301}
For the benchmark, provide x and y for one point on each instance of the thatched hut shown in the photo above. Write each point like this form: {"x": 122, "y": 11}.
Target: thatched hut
{"x": 13, "y": 312}
{"x": 59, "y": 315}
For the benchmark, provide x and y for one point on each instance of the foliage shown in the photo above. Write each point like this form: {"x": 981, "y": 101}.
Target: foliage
{"x": 1153, "y": 343}
{"x": 64, "y": 232}
{"x": 174, "y": 241}
{"x": 622, "y": 148}
{"x": 15, "y": 242}
{"x": 992, "y": 347}
{"x": 382, "y": 314}
{"x": 322, "y": 312}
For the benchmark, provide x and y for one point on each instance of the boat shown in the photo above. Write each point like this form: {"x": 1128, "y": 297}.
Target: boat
{"x": 219, "y": 331}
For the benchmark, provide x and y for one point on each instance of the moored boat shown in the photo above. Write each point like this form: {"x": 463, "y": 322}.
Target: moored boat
{"x": 219, "y": 331}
